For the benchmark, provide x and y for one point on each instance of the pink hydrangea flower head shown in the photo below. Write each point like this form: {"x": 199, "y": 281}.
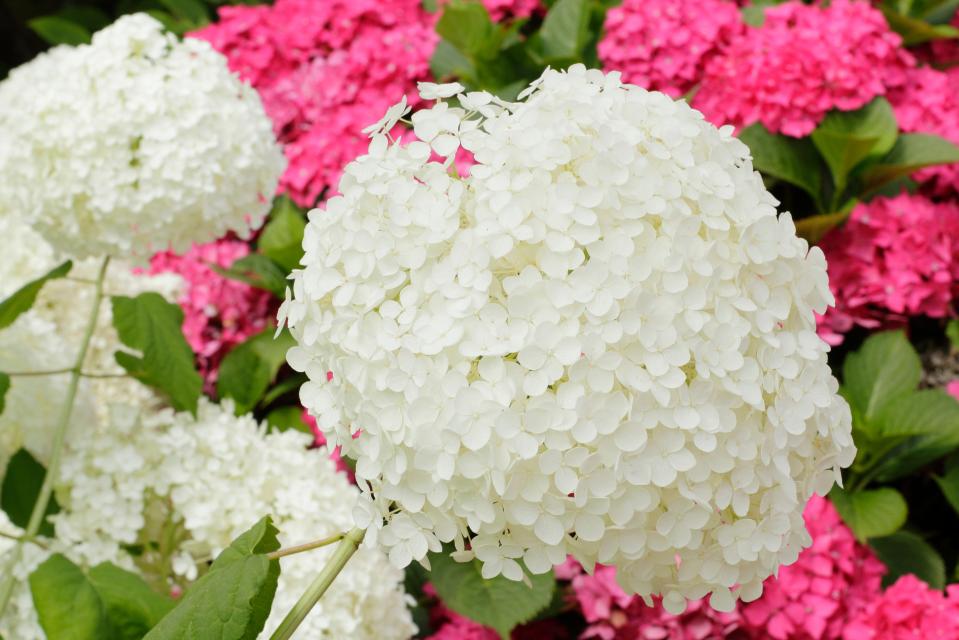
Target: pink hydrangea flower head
{"x": 928, "y": 102}
{"x": 907, "y": 610}
{"x": 894, "y": 258}
{"x": 802, "y": 62}
{"x": 953, "y": 389}
{"x": 325, "y": 70}
{"x": 500, "y": 10}
{"x": 613, "y": 615}
{"x": 814, "y": 598}
{"x": 664, "y": 45}
{"x": 219, "y": 313}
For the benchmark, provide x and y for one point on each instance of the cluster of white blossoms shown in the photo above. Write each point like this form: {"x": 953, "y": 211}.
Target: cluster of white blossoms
{"x": 200, "y": 482}
{"x": 134, "y": 143}
{"x": 47, "y": 337}
{"x": 600, "y": 343}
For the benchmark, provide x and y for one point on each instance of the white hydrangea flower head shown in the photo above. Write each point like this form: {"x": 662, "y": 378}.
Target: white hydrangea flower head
{"x": 48, "y": 337}
{"x": 134, "y": 143}
{"x": 600, "y": 343}
{"x": 210, "y": 478}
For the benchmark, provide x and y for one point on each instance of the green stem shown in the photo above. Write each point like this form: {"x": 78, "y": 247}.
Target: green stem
{"x": 56, "y": 449}
{"x": 344, "y": 551}
{"x": 309, "y": 546}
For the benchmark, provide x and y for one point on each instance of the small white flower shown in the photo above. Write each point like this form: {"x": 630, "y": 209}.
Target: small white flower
{"x": 385, "y": 124}
{"x": 433, "y": 91}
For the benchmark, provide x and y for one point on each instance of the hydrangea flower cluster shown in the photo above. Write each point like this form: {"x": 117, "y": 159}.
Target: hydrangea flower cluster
{"x": 894, "y": 258}
{"x": 134, "y": 143}
{"x": 664, "y": 45}
{"x": 816, "y": 597}
{"x": 219, "y": 313}
{"x": 803, "y": 61}
{"x": 500, "y": 10}
{"x": 122, "y": 487}
{"x": 907, "y": 610}
{"x": 929, "y": 103}
{"x": 600, "y": 343}
{"x": 324, "y": 71}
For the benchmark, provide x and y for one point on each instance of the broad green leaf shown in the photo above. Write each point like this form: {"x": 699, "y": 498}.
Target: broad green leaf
{"x": 846, "y": 138}
{"x": 949, "y": 484}
{"x": 467, "y": 26}
{"x": 286, "y": 418}
{"x": 247, "y": 371}
{"x": 940, "y": 11}
{"x": 257, "y": 271}
{"x": 56, "y": 30}
{"x": 448, "y": 62}
{"x": 4, "y": 387}
{"x": 915, "y": 30}
{"x": 91, "y": 18}
{"x": 885, "y": 368}
{"x": 872, "y": 513}
{"x": 904, "y": 552}
{"x": 192, "y": 11}
{"x": 790, "y": 159}
{"x": 565, "y": 30}
{"x": 430, "y": 6}
{"x": 813, "y": 228}
{"x": 132, "y": 607}
{"x": 21, "y": 486}
{"x": 232, "y": 601}
{"x": 915, "y": 453}
{"x": 23, "y": 298}
{"x": 282, "y": 237}
{"x": 283, "y": 387}
{"x": 952, "y": 332}
{"x": 912, "y": 152}
{"x": 930, "y": 411}
{"x": 498, "y": 603}
{"x": 153, "y": 326}
{"x": 67, "y": 604}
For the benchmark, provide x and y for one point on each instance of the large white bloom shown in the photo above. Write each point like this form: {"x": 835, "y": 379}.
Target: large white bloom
{"x": 133, "y": 143}
{"x": 600, "y": 343}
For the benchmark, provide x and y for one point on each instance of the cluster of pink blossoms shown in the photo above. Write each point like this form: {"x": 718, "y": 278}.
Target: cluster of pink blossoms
{"x": 803, "y": 61}
{"x": 664, "y": 45}
{"x": 219, "y": 313}
{"x": 504, "y": 10}
{"x": 929, "y": 103}
{"x": 907, "y": 610}
{"x": 894, "y": 258}
{"x": 325, "y": 70}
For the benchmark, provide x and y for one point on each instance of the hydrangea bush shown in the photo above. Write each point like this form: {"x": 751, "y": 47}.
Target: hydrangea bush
{"x": 557, "y": 328}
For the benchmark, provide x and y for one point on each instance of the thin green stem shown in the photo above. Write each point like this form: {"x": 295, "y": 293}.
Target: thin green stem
{"x": 347, "y": 547}
{"x": 56, "y": 450}
{"x": 48, "y": 372}
{"x": 308, "y": 546}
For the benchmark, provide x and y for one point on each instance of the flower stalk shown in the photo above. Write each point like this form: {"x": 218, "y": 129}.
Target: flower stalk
{"x": 344, "y": 551}
{"x": 56, "y": 451}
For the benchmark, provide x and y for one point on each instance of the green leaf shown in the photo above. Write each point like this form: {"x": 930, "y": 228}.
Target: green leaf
{"x": 281, "y": 388}
{"x": 90, "y": 18}
{"x": 915, "y": 453}
{"x": 23, "y": 298}
{"x": 793, "y": 160}
{"x": 447, "y": 62}
{"x": 498, "y": 603}
{"x": 67, "y": 604}
{"x": 247, "y": 371}
{"x": 286, "y": 418}
{"x": 949, "y": 484}
{"x": 930, "y": 411}
{"x": 56, "y": 30}
{"x": 952, "y": 332}
{"x": 4, "y": 387}
{"x": 257, "y": 271}
{"x": 846, "y": 138}
{"x": 912, "y": 152}
{"x": 282, "y": 237}
{"x": 232, "y": 601}
{"x": 152, "y": 326}
{"x": 192, "y": 11}
{"x": 904, "y": 552}
{"x": 885, "y": 368}
{"x": 467, "y": 26}
{"x": 430, "y": 6}
{"x": 872, "y": 513}
{"x": 132, "y": 607}
{"x": 813, "y": 228}
{"x": 21, "y": 486}
{"x": 565, "y": 30}
{"x": 915, "y": 30}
